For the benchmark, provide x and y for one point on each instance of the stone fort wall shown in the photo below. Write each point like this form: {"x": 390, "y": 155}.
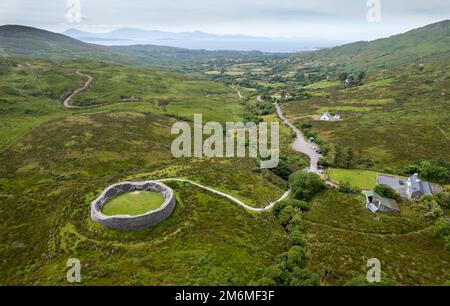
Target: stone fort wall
{"x": 130, "y": 223}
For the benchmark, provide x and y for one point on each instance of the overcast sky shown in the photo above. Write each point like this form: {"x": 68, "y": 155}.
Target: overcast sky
{"x": 322, "y": 20}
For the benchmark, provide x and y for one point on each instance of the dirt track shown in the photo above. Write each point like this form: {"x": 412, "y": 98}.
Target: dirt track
{"x": 86, "y": 85}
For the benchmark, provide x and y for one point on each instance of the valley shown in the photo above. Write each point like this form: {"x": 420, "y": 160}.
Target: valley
{"x": 76, "y": 118}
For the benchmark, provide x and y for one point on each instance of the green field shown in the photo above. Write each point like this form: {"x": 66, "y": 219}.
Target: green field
{"x": 363, "y": 179}
{"x": 322, "y": 85}
{"x": 134, "y": 203}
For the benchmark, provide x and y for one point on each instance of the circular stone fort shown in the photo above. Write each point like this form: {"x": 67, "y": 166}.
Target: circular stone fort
{"x": 138, "y": 222}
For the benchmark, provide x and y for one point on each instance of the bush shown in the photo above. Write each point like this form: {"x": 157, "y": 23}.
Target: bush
{"x": 442, "y": 228}
{"x": 302, "y": 205}
{"x": 346, "y": 187}
{"x": 387, "y": 192}
{"x": 303, "y": 277}
{"x": 443, "y": 199}
{"x": 294, "y": 257}
{"x": 286, "y": 214}
{"x": 305, "y": 185}
{"x": 283, "y": 170}
{"x": 296, "y": 238}
{"x": 428, "y": 208}
{"x": 296, "y": 223}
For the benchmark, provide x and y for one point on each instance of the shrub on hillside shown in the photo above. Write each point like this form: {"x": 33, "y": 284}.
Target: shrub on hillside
{"x": 387, "y": 192}
{"x": 443, "y": 199}
{"x": 296, "y": 238}
{"x": 428, "y": 208}
{"x": 286, "y": 215}
{"x": 283, "y": 170}
{"x": 346, "y": 187}
{"x": 305, "y": 185}
{"x": 302, "y": 205}
{"x": 442, "y": 228}
{"x": 437, "y": 171}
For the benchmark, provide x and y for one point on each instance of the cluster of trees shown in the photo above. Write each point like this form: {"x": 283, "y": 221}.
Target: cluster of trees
{"x": 343, "y": 157}
{"x": 352, "y": 79}
{"x": 290, "y": 267}
{"x": 338, "y": 156}
{"x": 250, "y": 114}
{"x": 264, "y": 108}
{"x": 437, "y": 171}
{"x": 301, "y": 77}
{"x": 304, "y": 185}
{"x": 442, "y": 229}
{"x": 283, "y": 170}
{"x": 431, "y": 207}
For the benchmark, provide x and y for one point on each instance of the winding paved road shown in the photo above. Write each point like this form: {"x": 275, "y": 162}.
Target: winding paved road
{"x": 300, "y": 144}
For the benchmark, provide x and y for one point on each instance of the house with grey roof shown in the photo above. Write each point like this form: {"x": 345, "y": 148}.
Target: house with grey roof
{"x": 411, "y": 188}
{"x": 416, "y": 188}
{"x": 377, "y": 203}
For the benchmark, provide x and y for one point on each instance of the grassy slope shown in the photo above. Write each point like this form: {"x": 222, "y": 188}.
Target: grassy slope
{"x": 343, "y": 235}
{"x": 397, "y": 117}
{"x": 32, "y": 96}
{"x": 429, "y": 42}
{"x": 133, "y": 203}
{"x": 51, "y": 175}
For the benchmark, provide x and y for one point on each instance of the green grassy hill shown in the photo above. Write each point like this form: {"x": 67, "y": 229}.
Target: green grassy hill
{"x": 415, "y": 46}
{"x": 33, "y": 43}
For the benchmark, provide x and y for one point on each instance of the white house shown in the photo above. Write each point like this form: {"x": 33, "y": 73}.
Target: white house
{"x": 326, "y": 117}
{"x": 329, "y": 117}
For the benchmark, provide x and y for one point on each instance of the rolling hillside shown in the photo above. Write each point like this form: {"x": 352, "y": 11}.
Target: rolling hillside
{"x": 429, "y": 42}
{"x": 32, "y": 43}
{"x": 20, "y": 41}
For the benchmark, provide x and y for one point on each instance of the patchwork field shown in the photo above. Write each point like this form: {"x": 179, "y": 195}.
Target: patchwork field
{"x": 395, "y": 118}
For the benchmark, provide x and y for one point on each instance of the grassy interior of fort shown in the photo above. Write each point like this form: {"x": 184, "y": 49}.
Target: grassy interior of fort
{"x": 133, "y": 203}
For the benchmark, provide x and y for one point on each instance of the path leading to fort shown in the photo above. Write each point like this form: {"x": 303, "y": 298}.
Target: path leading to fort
{"x": 225, "y": 195}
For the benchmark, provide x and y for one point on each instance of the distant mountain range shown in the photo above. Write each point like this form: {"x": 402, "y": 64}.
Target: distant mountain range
{"x": 429, "y": 42}
{"x": 197, "y": 40}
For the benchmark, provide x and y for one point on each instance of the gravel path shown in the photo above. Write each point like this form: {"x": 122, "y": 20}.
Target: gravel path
{"x": 237, "y": 201}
